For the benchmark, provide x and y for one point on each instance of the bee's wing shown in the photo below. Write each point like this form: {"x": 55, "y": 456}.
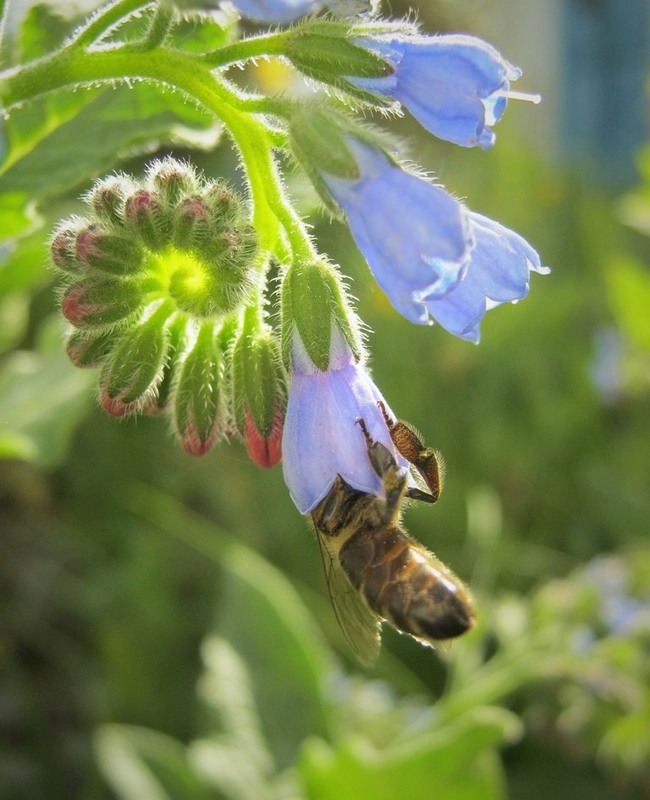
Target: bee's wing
{"x": 361, "y": 627}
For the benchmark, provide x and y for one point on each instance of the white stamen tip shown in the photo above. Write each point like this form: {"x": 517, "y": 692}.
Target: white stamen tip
{"x": 525, "y": 96}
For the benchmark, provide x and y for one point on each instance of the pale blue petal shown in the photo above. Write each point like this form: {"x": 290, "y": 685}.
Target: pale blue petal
{"x": 498, "y": 272}
{"x": 322, "y": 438}
{"x": 456, "y": 86}
{"x": 414, "y": 235}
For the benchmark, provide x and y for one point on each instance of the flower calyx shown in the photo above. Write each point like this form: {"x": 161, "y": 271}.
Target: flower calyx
{"x": 314, "y": 302}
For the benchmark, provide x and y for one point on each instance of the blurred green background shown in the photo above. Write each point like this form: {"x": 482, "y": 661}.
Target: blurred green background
{"x": 164, "y": 625}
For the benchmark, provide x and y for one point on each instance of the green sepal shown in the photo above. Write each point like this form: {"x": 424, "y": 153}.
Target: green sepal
{"x": 313, "y": 298}
{"x": 176, "y": 342}
{"x": 333, "y": 56}
{"x": 199, "y": 402}
{"x": 319, "y": 135}
{"x": 258, "y": 379}
{"x": 136, "y": 365}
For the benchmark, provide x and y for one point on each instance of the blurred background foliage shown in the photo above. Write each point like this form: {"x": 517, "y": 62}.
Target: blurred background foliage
{"x": 164, "y": 626}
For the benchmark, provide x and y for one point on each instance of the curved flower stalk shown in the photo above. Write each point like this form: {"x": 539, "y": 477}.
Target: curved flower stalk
{"x": 322, "y": 438}
{"x": 456, "y": 86}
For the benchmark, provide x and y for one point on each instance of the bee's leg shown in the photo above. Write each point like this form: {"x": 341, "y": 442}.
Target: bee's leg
{"x": 413, "y": 493}
{"x": 384, "y": 464}
{"x": 425, "y": 459}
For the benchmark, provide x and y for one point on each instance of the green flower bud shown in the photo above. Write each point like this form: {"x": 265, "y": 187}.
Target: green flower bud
{"x": 109, "y": 252}
{"x": 101, "y": 303}
{"x": 173, "y": 180}
{"x": 87, "y": 352}
{"x": 198, "y": 412}
{"x": 313, "y": 297}
{"x": 226, "y": 207}
{"x": 259, "y": 394}
{"x": 108, "y": 197}
{"x": 192, "y": 222}
{"x": 132, "y": 373}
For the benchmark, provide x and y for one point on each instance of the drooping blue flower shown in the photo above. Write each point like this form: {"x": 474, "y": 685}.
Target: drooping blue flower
{"x": 415, "y": 236}
{"x": 498, "y": 272}
{"x": 434, "y": 259}
{"x": 322, "y": 438}
{"x": 456, "y": 86}
{"x": 276, "y": 11}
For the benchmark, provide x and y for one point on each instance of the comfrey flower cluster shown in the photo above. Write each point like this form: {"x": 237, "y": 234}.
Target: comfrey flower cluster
{"x": 167, "y": 286}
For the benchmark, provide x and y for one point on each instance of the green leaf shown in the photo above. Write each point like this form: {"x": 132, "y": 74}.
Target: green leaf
{"x": 16, "y": 213}
{"x": 235, "y": 761}
{"x": 629, "y": 295}
{"x": 142, "y": 764}
{"x": 263, "y": 617}
{"x": 431, "y": 765}
{"x": 24, "y": 264}
{"x": 52, "y": 153}
{"x": 42, "y": 397}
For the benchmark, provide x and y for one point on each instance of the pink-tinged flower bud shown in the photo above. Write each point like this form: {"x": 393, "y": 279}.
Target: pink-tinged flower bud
{"x": 259, "y": 392}
{"x": 63, "y": 249}
{"x": 226, "y": 207}
{"x": 132, "y": 374}
{"x": 192, "y": 222}
{"x": 172, "y": 180}
{"x": 198, "y": 410}
{"x": 265, "y": 451}
{"x": 102, "y": 303}
{"x": 109, "y": 252}
{"x": 107, "y": 198}
{"x": 145, "y": 213}
{"x": 87, "y": 352}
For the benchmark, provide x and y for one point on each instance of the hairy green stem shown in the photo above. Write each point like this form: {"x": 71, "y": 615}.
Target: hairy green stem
{"x": 72, "y": 67}
{"x": 104, "y": 19}
{"x": 265, "y": 45}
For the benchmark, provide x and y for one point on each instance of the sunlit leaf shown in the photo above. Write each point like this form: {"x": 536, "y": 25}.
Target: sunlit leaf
{"x": 141, "y": 764}
{"x": 629, "y": 295}
{"x": 42, "y": 398}
{"x": 436, "y": 765}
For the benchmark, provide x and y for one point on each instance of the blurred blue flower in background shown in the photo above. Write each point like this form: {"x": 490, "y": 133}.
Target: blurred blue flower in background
{"x": 322, "y": 438}
{"x": 275, "y": 11}
{"x": 455, "y": 85}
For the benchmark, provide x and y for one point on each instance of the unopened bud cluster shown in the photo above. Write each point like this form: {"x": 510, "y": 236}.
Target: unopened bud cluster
{"x": 156, "y": 278}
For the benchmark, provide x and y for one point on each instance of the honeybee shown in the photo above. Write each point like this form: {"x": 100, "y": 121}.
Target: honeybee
{"x": 375, "y": 572}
